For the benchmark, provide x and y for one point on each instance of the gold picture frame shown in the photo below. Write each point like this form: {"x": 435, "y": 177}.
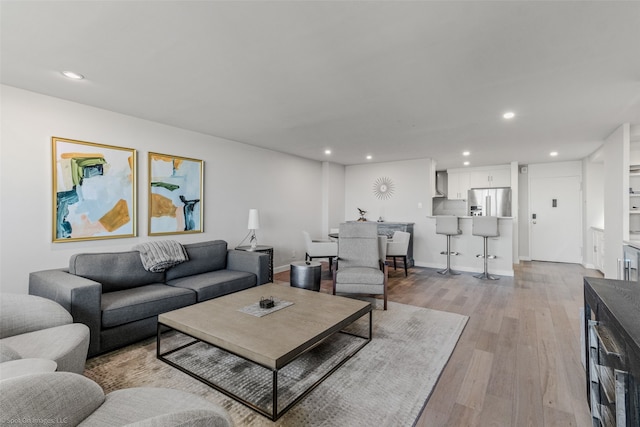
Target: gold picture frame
{"x": 175, "y": 194}
{"x": 94, "y": 191}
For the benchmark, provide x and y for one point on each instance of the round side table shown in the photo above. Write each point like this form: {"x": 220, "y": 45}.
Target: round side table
{"x": 306, "y": 275}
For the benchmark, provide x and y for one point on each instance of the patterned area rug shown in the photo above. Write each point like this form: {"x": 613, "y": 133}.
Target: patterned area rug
{"x": 386, "y": 383}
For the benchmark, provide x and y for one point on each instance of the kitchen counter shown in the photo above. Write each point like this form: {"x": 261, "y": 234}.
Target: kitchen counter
{"x": 615, "y": 305}
{"x": 633, "y": 243}
{"x": 469, "y": 246}
{"x": 622, "y": 300}
{"x": 469, "y": 216}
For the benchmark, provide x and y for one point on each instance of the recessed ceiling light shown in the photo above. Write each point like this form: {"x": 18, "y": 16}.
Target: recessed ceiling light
{"x": 466, "y": 163}
{"x": 465, "y": 153}
{"x": 327, "y": 152}
{"x": 509, "y": 115}
{"x": 72, "y": 75}
{"x": 369, "y": 157}
{"x": 553, "y": 153}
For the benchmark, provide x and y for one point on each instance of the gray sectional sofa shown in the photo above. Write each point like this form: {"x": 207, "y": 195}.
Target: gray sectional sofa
{"x": 120, "y": 301}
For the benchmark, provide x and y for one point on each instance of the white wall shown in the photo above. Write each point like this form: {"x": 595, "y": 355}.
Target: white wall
{"x": 616, "y": 197}
{"x": 412, "y": 189}
{"x": 332, "y": 196}
{"x": 515, "y": 212}
{"x": 523, "y": 213}
{"x": 286, "y": 189}
{"x": 593, "y": 204}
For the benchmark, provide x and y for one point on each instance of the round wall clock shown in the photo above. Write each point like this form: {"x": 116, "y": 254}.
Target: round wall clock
{"x": 383, "y": 188}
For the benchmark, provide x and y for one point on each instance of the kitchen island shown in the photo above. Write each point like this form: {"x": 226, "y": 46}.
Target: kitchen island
{"x": 469, "y": 246}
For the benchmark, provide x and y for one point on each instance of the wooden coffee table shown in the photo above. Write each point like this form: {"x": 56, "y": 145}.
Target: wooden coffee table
{"x": 271, "y": 341}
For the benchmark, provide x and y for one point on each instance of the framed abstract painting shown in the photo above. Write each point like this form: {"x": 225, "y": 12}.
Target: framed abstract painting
{"x": 175, "y": 194}
{"x": 94, "y": 191}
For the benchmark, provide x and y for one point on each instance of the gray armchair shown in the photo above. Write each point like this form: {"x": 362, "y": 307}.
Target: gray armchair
{"x": 35, "y": 327}
{"x": 74, "y": 400}
{"x": 361, "y": 268}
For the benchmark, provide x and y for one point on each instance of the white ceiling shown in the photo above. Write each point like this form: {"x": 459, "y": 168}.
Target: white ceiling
{"x": 393, "y": 79}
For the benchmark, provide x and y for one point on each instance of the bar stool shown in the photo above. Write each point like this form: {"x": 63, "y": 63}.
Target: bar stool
{"x": 485, "y": 226}
{"x": 448, "y": 225}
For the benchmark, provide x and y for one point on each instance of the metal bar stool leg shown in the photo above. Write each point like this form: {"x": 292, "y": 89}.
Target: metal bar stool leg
{"x": 485, "y": 274}
{"x": 448, "y": 270}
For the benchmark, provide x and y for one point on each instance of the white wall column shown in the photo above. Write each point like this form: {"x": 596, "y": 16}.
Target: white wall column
{"x": 616, "y": 197}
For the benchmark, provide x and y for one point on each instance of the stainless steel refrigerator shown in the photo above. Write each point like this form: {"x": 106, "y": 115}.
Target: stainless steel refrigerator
{"x": 489, "y": 201}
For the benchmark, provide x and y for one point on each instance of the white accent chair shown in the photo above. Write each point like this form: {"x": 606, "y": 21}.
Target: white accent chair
{"x": 75, "y": 400}
{"x": 32, "y": 327}
{"x": 398, "y": 246}
{"x": 320, "y": 249}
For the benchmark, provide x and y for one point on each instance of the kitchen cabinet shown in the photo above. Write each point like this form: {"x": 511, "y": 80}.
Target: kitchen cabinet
{"x": 597, "y": 235}
{"x": 634, "y": 202}
{"x": 630, "y": 261}
{"x": 457, "y": 185}
{"x": 461, "y": 180}
{"x": 490, "y": 178}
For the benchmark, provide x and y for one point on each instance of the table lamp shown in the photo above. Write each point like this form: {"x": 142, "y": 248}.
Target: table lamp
{"x": 254, "y": 224}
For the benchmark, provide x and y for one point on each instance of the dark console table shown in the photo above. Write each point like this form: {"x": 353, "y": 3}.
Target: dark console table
{"x": 612, "y": 350}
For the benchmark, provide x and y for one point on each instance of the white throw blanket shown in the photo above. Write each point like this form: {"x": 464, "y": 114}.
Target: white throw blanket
{"x": 162, "y": 255}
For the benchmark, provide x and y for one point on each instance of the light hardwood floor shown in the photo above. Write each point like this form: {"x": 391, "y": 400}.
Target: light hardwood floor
{"x": 518, "y": 360}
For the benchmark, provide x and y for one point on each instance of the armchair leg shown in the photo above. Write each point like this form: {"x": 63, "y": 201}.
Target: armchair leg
{"x": 334, "y": 281}
{"x": 386, "y": 275}
{"x": 404, "y": 260}
{"x": 394, "y": 263}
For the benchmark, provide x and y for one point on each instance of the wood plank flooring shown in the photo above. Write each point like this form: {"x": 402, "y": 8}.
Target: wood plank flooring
{"x": 518, "y": 361}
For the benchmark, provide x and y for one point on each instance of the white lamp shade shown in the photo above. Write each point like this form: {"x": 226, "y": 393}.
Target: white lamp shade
{"x": 254, "y": 220}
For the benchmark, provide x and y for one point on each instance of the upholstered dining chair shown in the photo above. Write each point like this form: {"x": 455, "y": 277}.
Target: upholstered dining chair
{"x": 398, "y": 246}
{"x": 361, "y": 268}
{"x": 333, "y": 232}
{"x": 320, "y": 249}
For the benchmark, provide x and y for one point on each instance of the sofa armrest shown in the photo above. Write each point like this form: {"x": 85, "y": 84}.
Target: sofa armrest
{"x": 249, "y": 262}
{"x": 79, "y": 296}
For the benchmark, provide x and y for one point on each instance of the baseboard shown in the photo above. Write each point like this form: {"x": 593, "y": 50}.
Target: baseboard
{"x": 498, "y": 272}
{"x": 282, "y": 268}
{"x": 508, "y": 273}
{"x": 525, "y": 258}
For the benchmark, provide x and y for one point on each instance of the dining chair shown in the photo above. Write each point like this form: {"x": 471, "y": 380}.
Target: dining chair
{"x": 398, "y": 247}
{"x": 320, "y": 249}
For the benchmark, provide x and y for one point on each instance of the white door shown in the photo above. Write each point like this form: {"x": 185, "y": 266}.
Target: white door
{"x": 555, "y": 219}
